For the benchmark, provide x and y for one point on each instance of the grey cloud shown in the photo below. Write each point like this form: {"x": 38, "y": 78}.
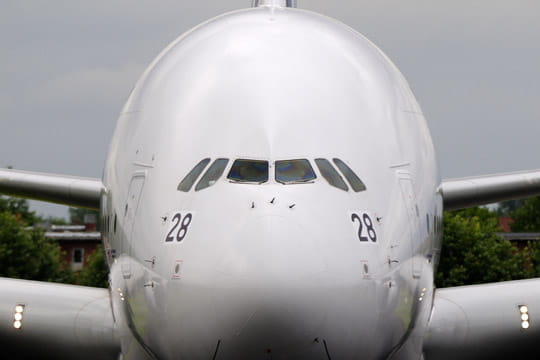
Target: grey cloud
{"x": 90, "y": 86}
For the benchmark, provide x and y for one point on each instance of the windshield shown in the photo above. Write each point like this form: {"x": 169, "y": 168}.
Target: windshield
{"x": 186, "y": 184}
{"x": 249, "y": 171}
{"x": 212, "y": 174}
{"x": 294, "y": 171}
{"x": 355, "y": 182}
{"x": 330, "y": 174}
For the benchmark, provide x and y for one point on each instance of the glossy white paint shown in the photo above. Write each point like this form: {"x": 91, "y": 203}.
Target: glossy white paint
{"x": 58, "y": 321}
{"x": 264, "y": 278}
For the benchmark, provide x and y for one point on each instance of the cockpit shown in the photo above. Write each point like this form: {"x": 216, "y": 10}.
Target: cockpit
{"x": 286, "y": 172}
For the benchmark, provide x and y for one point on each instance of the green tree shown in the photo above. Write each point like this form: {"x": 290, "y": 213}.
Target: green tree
{"x": 527, "y": 217}
{"x": 53, "y": 220}
{"x": 25, "y": 253}
{"x": 96, "y": 272}
{"x": 18, "y": 207}
{"x": 472, "y": 253}
{"x": 506, "y": 208}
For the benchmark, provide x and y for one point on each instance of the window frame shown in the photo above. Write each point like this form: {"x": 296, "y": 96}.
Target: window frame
{"x": 234, "y": 181}
{"x": 310, "y": 163}
{"x": 73, "y": 258}
{"x": 205, "y": 163}
{"x": 345, "y": 188}
{"x": 347, "y": 175}
{"x": 198, "y": 186}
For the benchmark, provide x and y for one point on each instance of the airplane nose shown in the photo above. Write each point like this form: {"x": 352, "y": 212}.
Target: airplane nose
{"x": 268, "y": 289}
{"x": 275, "y": 291}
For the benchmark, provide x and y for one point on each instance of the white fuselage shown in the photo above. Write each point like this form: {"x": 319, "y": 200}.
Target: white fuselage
{"x": 271, "y": 270}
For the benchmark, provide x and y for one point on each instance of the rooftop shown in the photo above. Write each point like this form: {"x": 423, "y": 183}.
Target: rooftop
{"x": 74, "y": 236}
{"x": 516, "y": 236}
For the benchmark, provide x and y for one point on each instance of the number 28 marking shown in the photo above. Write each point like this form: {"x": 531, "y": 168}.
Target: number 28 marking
{"x": 366, "y": 231}
{"x": 182, "y": 223}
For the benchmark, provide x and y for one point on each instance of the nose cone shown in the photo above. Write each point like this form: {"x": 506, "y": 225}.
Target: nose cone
{"x": 275, "y": 293}
{"x": 271, "y": 271}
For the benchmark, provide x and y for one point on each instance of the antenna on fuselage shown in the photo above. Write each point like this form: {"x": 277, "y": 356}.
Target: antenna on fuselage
{"x": 281, "y": 3}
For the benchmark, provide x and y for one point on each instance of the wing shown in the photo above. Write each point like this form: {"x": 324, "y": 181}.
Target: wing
{"x": 485, "y": 321}
{"x": 481, "y": 190}
{"x": 67, "y": 190}
{"x": 57, "y": 321}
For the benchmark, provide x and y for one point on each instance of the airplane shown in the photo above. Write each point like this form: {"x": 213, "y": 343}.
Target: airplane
{"x": 271, "y": 192}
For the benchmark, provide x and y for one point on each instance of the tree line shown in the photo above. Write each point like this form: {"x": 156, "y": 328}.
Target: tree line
{"x": 25, "y": 252}
{"x": 473, "y": 253}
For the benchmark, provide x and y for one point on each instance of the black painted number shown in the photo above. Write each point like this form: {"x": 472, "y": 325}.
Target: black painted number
{"x": 184, "y": 223}
{"x": 366, "y": 231}
{"x": 184, "y": 227}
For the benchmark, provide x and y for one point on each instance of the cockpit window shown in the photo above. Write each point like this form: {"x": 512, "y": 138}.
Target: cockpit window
{"x": 249, "y": 171}
{"x": 356, "y": 184}
{"x": 212, "y": 174}
{"x": 294, "y": 171}
{"x": 186, "y": 184}
{"x": 330, "y": 174}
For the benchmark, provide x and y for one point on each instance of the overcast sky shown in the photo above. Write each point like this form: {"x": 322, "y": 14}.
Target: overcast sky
{"x": 66, "y": 68}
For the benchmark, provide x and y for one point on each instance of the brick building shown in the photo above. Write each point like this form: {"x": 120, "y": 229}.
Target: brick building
{"x": 518, "y": 239}
{"x": 77, "y": 242}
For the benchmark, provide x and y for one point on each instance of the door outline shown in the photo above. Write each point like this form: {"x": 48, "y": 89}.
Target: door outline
{"x": 406, "y": 185}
